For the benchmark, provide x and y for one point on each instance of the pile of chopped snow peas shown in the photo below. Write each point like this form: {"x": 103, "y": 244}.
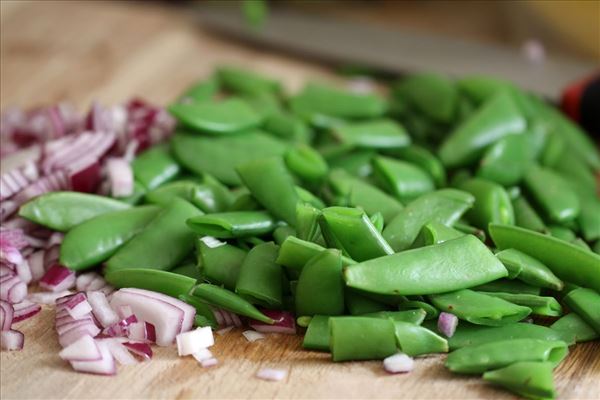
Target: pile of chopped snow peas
{"x": 430, "y": 216}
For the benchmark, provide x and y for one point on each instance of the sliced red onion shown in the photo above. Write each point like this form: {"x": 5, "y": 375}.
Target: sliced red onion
{"x": 120, "y": 352}
{"x": 83, "y": 281}
{"x": 55, "y": 239}
{"x": 12, "y": 238}
{"x": 83, "y": 349}
{"x": 50, "y": 183}
{"x": 142, "y": 350}
{"x": 17, "y": 179}
{"x": 24, "y": 271}
{"x": 77, "y": 306}
{"x": 58, "y": 278}
{"x": 104, "y": 366}
{"x": 85, "y": 175}
{"x": 7, "y": 269}
{"x": 6, "y": 315}
{"x": 36, "y": 265}
{"x": 72, "y": 335}
{"x": 142, "y": 332}
{"x": 12, "y": 340}
{"x": 24, "y": 310}
{"x": 66, "y": 324}
{"x": 219, "y": 317}
{"x": 210, "y": 362}
{"x": 7, "y": 208}
{"x": 447, "y": 323}
{"x": 253, "y": 336}
{"x": 36, "y": 242}
{"x": 120, "y": 175}
{"x": 121, "y": 328}
{"x": 125, "y": 311}
{"x": 203, "y": 354}
{"x": 285, "y": 323}
{"x": 96, "y": 284}
{"x": 12, "y": 289}
{"x": 47, "y": 297}
{"x": 101, "y": 309}
{"x": 270, "y": 374}
{"x": 397, "y": 363}
{"x": 193, "y": 341}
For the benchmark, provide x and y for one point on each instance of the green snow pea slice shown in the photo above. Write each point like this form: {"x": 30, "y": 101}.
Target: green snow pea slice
{"x": 589, "y": 216}
{"x": 575, "y": 170}
{"x": 188, "y": 269}
{"x": 404, "y": 180}
{"x": 204, "y": 90}
{"x": 233, "y": 224}
{"x": 373, "y": 134}
{"x": 356, "y": 163}
{"x": 480, "y": 88}
{"x": 586, "y": 303}
{"x": 260, "y": 279}
{"x": 445, "y": 206}
{"x": 288, "y": 127}
{"x": 220, "y": 264}
{"x": 508, "y": 286}
{"x": 525, "y": 215}
{"x": 562, "y": 233}
{"x": 552, "y": 194}
{"x": 377, "y": 221}
{"x": 553, "y": 151}
{"x": 210, "y": 196}
{"x": 307, "y": 223}
{"x": 507, "y": 160}
{"x": 219, "y": 156}
{"x": 492, "y": 203}
{"x": 361, "y": 338}
{"x": 163, "y": 244}
{"x": 282, "y": 233}
{"x": 433, "y": 95}
{"x": 358, "y": 304}
{"x": 96, "y": 239}
{"x": 309, "y": 198}
{"x": 264, "y": 104}
{"x": 470, "y": 230}
{"x": 456, "y": 264}
{"x": 567, "y": 261}
{"x": 430, "y": 311}
{"x": 62, "y": 211}
{"x": 202, "y": 309}
{"x": 184, "y": 189}
{"x": 415, "y": 317}
{"x": 531, "y": 271}
{"x": 306, "y": 163}
{"x": 415, "y": 340}
{"x": 435, "y": 233}
{"x": 165, "y": 282}
{"x": 573, "y": 324}
{"x": 528, "y": 379}
{"x": 424, "y": 159}
{"x": 220, "y": 118}
{"x": 139, "y": 191}
{"x": 154, "y": 167}
{"x": 479, "y": 308}
{"x": 294, "y": 253}
{"x": 540, "y": 305}
{"x": 495, "y": 119}
{"x": 243, "y": 81}
{"x": 317, "y": 334}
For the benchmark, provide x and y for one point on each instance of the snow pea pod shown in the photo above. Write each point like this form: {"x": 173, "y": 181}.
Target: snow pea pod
{"x": 361, "y": 338}
{"x": 479, "y": 308}
{"x": 404, "y": 180}
{"x": 508, "y": 286}
{"x": 372, "y": 134}
{"x": 154, "y": 167}
{"x": 202, "y": 309}
{"x": 165, "y": 282}
{"x": 220, "y": 264}
{"x": 295, "y": 253}
{"x": 233, "y": 224}
{"x": 320, "y": 288}
{"x": 357, "y": 163}
{"x": 244, "y": 81}
{"x": 415, "y": 317}
{"x": 288, "y": 127}
{"x": 139, "y": 191}
{"x": 540, "y": 305}
{"x": 586, "y": 303}
{"x": 184, "y": 189}
{"x": 163, "y": 244}
{"x": 317, "y": 334}
{"x": 424, "y": 159}
{"x": 282, "y": 233}
{"x": 530, "y": 270}
{"x": 416, "y": 340}
{"x": 552, "y": 194}
{"x": 260, "y": 279}
{"x": 204, "y": 90}
{"x": 496, "y": 118}
{"x": 470, "y": 230}
{"x": 377, "y": 221}
{"x": 528, "y": 379}
{"x": 212, "y": 196}
{"x": 228, "y": 300}
{"x": 96, "y": 239}
{"x": 272, "y": 186}
{"x": 62, "y": 211}
{"x": 567, "y": 261}
{"x": 573, "y": 324}
{"x": 562, "y": 233}
{"x": 306, "y": 163}
{"x": 435, "y": 233}
{"x": 433, "y": 95}
{"x": 507, "y": 160}
{"x": 492, "y": 203}
{"x": 307, "y": 223}
{"x": 188, "y": 269}
{"x": 307, "y": 197}
{"x": 358, "y": 304}
{"x": 353, "y": 232}
{"x": 479, "y": 88}
{"x": 456, "y": 264}
{"x": 525, "y": 215}
{"x": 430, "y": 311}
{"x": 445, "y": 206}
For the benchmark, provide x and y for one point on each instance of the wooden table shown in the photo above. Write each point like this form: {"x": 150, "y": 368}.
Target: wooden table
{"x": 84, "y": 51}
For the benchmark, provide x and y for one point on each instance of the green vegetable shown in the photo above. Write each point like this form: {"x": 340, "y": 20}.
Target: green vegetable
{"x": 154, "y": 167}
{"x": 552, "y": 194}
{"x": 220, "y": 264}
{"x": 402, "y": 179}
{"x": 375, "y": 134}
{"x": 165, "y": 282}
{"x": 234, "y": 224}
{"x": 260, "y": 279}
{"x": 415, "y": 340}
{"x": 586, "y": 303}
{"x": 530, "y": 270}
{"x": 528, "y": 379}
{"x": 361, "y": 338}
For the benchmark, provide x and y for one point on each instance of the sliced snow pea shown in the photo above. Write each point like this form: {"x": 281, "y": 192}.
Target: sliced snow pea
{"x": 589, "y": 216}
{"x": 217, "y": 117}
{"x": 242, "y": 81}
{"x": 553, "y": 150}
{"x": 320, "y": 288}
{"x": 404, "y": 180}
{"x": 445, "y": 206}
{"x": 424, "y": 159}
{"x": 507, "y": 160}
{"x": 244, "y": 201}
{"x": 282, "y": 233}
{"x": 525, "y": 215}
{"x": 219, "y": 156}
{"x": 361, "y": 338}
{"x": 528, "y": 379}
{"x": 295, "y": 253}
{"x": 573, "y": 324}
{"x": 350, "y": 230}
{"x": 162, "y": 244}
{"x": 202, "y": 309}
{"x": 435, "y": 233}
{"x": 540, "y": 305}
{"x": 372, "y": 134}
{"x": 576, "y": 171}
{"x": 309, "y": 198}
{"x": 184, "y": 189}
{"x": 356, "y": 163}
{"x": 508, "y": 286}
{"x": 188, "y": 269}
{"x": 552, "y": 193}
{"x": 433, "y": 95}
{"x": 288, "y": 127}
{"x": 415, "y": 317}
{"x": 567, "y": 261}
{"x": 470, "y": 230}
{"x": 220, "y": 264}
{"x": 260, "y": 279}
{"x": 415, "y": 340}
{"x": 452, "y": 265}
{"x": 204, "y": 90}
{"x": 495, "y": 119}
{"x": 62, "y": 211}
{"x": 228, "y": 300}
{"x": 492, "y": 203}
{"x": 165, "y": 282}
{"x": 96, "y": 239}
{"x": 586, "y": 303}
{"x": 154, "y": 167}
{"x": 479, "y": 308}
{"x": 306, "y": 163}
{"x": 264, "y": 103}
{"x": 596, "y": 247}
{"x": 317, "y": 334}
{"x": 480, "y": 88}
{"x": 358, "y": 304}
{"x": 212, "y": 196}
{"x": 562, "y": 233}
{"x": 233, "y": 224}
{"x": 307, "y": 223}
{"x": 377, "y": 221}
{"x": 139, "y": 191}
{"x": 430, "y": 311}
{"x": 530, "y": 270}
{"x": 272, "y": 186}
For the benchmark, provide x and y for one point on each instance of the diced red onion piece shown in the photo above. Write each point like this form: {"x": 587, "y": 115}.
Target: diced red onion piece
{"x": 12, "y": 289}
{"x": 121, "y": 328}
{"x": 24, "y": 310}
{"x": 55, "y": 239}
{"x": 36, "y": 265}
{"x": 219, "y": 317}
{"x": 24, "y": 271}
{"x": 120, "y": 175}
{"x": 12, "y": 340}
{"x": 447, "y": 323}
{"x": 58, "y": 278}
{"x": 397, "y": 363}
{"x": 211, "y": 362}
{"x": 142, "y": 350}
{"x": 7, "y": 270}
{"x": 270, "y": 374}
{"x": 82, "y": 282}
{"x": 193, "y": 341}
{"x": 125, "y": 311}
{"x": 47, "y": 297}
{"x": 7, "y": 208}
{"x": 85, "y": 175}
{"x": 202, "y": 354}
{"x": 6, "y": 315}
{"x": 101, "y": 309}
{"x": 285, "y": 323}
{"x": 83, "y": 349}
{"x": 80, "y": 310}
{"x": 72, "y": 335}
{"x": 104, "y": 366}
{"x": 237, "y": 322}
{"x": 253, "y": 336}
{"x": 67, "y": 324}
{"x": 120, "y": 352}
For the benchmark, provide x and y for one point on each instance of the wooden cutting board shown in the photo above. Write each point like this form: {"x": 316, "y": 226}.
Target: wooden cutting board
{"x": 84, "y": 51}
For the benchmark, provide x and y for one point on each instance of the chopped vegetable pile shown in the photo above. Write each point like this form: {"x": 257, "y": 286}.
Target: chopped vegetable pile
{"x": 442, "y": 216}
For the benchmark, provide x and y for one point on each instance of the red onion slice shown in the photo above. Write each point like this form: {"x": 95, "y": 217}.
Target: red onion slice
{"x": 12, "y": 340}
{"x": 120, "y": 352}
{"x": 120, "y": 175}
{"x": 47, "y": 297}
{"x": 104, "y": 366}
{"x": 6, "y": 315}
{"x": 142, "y": 350}
{"x": 270, "y": 374}
{"x": 193, "y": 341}
{"x": 85, "y": 175}
{"x": 12, "y": 289}
{"x": 397, "y": 363}
{"x": 58, "y": 278}
{"x": 210, "y": 362}
{"x": 202, "y": 355}
{"x": 285, "y": 323}
{"x": 101, "y": 309}
{"x": 447, "y": 323}
{"x": 24, "y": 310}
{"x": 83, "y": 349}
{"x": 24, "y": 271}
{"x": 72, "y": 335}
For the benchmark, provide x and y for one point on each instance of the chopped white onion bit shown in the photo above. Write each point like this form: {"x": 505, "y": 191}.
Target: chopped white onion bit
{"x": 120, "y": 175}
{"x": 211, "y": 362}
{"x": 224, "y": 331}
{"x": 447, "y": 323}
{"x": 81, "y": 310}
{"x": 101, "y": 309}
{"x": 194, "y": 341}
{"x": 104, "y": 366}
{"x": 47, "y": 297}
{"x": 397, "y": 363}
{"x": 12, "y": 340}
{"x": 270, "y": 374}
{"x": 202, "y": 355}
{"x": 253, "y": 336}
{"x": 120, "y": 352}
{"x": 83, "y": 349}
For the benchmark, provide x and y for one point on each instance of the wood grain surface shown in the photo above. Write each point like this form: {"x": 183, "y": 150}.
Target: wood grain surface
{"x": 84, "y": 51}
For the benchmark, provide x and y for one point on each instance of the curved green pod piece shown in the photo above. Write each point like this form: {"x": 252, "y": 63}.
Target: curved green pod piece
{"x": 307, "y": 197}
{"x": 507, "y": 160}
{"x": 445, "y": 206}
{"x": 424, "y": 159}
{"x": 228, "y": 300}
{"x": 361, "y": 338}
{"x": 138, "y": 194}
{"x": 202, "y": 309}
{"x": 430, "y": 311}
{"x": 210, "y": 196}
{"x": 540, "y": 305}
{"x": 217, "y": 117}
{"x": 283, "y": 232}
{"x": 165, "y": 282}
{"x": 492, "y": 203}
{"x": 433, "y": 95}
{"x": 272, "y": 186}
{"x": 288, "y": 127}
{"x": 531, "y": 271}
{"x": 553, "y": 194}
{"x": 320, "y": 288}
{"x": 243, "y": 81}
{"x": 294, "y": 253}
{"x": 553, "y": 150}
{"x": 264, "y": 104}
{"x": 528, "y": 379}
{"x": 567, "y": 261}
{"x": 188, "y": 269}
{"x": 456, "y": 264}
{"x": 562, "y": 233}
{"x": 596, "y": 247}
{"x": 480, "y": 88}
{"x": 479, "y": 308}
{"x": 435, "y": 233}
{"x": 353, "y": 231}
{"x": 307, "y": 223}
{"x": 306, "y": 163}
{"x": 576, "y": 171}
{"x": 233, "y": 224}
{"x": 470, "y": 230}
{"x": 526, "y": 216}
{"x": 489, "y": 356}
{"x": 372, "y": 134}
{"x": 402, "y": 179}
{"x": 163, "y": 244}
{"x": 154, "y": 167}
{"x": 62, "y": 211}
{"x": 358, "y": 304}
{"x": 573, "y": 324}
{"x": 220, "y": 264}
{"x": 377, "y": 221}
{"x": 184, "y": 189}
{"x": 415, "y": 317}
{"x": 496, "y": 118}
{"x": 317, "y": 334}
{"x": 219, "y": 156}
{"x": 97, "y": 239}
{"x": 589, "y": 217}
{"x": 415, "y": 340}
{"x": 586, "y": 303}
{"x": 204, "y": 90}
{"x": 508, "y": 286}
{"x": 356, "y": 163}
{"x": 260, "y": 279}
